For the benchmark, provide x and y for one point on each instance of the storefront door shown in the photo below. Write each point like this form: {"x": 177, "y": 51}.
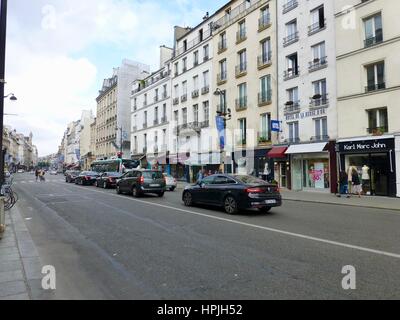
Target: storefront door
{"x": 283, "y": 175}
{"x": 380, "y": 174}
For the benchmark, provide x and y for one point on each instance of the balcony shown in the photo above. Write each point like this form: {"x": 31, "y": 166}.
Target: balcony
{"x": 264, "y": 22}
{"x": 264, "y": 98}
{"x": 263, "y": 138}
{"x": 175, "y": 101}
{"x": 317, "y": 64}
{"x": 291, "y": 107}
{"x": 221, "y": 78}
{"x": 375, "y": 87}
{"x": 205, "y": 124}
{"x": 195, "y": 93}
{"x": 222, "y": 46}
{"x": 184, "y": 98}
{"x": 290, "y": 5}
{"x": 241, "y": 70}
{"x": 264, "y": 60}
{"x": 195, "y": 63}
{"x": 241, "y": 103}
{"x": 205, "y": 90}
{"x": 241, "y": 36}
{"x": 145, "y": 125}
{"x": 316, "y": 27}
{"x": 164, "y": 120}
{"x": 291, "y": 73}
{"x": 378, "y": 131}
{"x": 290, "y": 39}
{"x": 320, "y": 138}
{"x": 156, "y": 122}
{"x": 373, "y": 41}
{"x": 319, "y": 101}
{"x": 205, "y": 58}
{"x": 156, "y": 99}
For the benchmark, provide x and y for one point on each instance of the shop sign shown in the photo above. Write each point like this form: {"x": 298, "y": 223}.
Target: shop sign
{"x": 306, "y": 114}
{"x": 367, "y": 146}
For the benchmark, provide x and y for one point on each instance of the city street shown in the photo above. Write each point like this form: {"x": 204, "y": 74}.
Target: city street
{"x": 106, "y": 246}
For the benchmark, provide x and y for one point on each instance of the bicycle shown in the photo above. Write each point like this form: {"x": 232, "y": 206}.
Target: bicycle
{"x": 10, "y": 197}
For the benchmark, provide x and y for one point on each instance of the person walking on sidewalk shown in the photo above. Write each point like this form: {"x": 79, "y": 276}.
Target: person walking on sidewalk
{"x": 356, "y": 182}
{"x": 37, "y": 171}
{"x": 343, "y": 184}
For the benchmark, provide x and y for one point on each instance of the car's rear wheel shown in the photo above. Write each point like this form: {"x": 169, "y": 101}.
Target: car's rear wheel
{"x": 118, "y": 190}
{"x": 161, "y": 194}
{"x": 96, "y": 184}
{"x": 230, "y": 205}
{"x": 188, "y": 199}
{"x": 104, "y": 185}
{"x": 135, "y": 192}
{"x": 265, "y": 210}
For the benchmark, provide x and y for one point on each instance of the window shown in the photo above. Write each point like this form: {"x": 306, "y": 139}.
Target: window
{"x": 265, "y": 129}
{"x": 156, "y": 115}
{"x": 195, "y": 58}
{"x": 242, "y": 102}
{"x": 292, "y": 34}
{"x": 264, "y": 20}
{"x": 317, "y": 20}
{"x": 196, "y": 82}
{"x": 241, "y": 34}
{"x": 319, "y": 56}
{"x": 165, "y": 94}
{"x": 176, "y": 68}
{"x": 184, "y": 116}
{"x": 321, "y": 129}
{"x": 293, "y": 96}
{"x": 265, "y": 51}
{"x": 206, "y": 111}
{"x": 184, "y": 60}
{"x": 184, "y": 87}
{"x": 265, "y": 89}
{"x": 373, "y": 30}
{"x": 242, "y": 57}
{"x": 222, "y": 45}
{"x": 145, "y": 118}
{"x": 375, "y": 76}
{"x": 196, "y": 113}
{"x": 164, "y": 112}
{"x": 220, "y": 180}
{"x": 294, "y": 132}
{"x": 243, "y": 131}
{"x": 176, "y": 90}
{"x": 320, "y": 95}
{"x": 293, "y": 66}
{"x": 223, "y": 70}
{"x": 206, "y": 50}
{"x": 378, "y": 121}
{"x": 206, "y": 79}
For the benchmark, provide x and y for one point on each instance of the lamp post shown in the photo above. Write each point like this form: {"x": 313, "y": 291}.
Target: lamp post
{"x": 225, "y": 114}
{"x": 12, "y": 97}
{"x": 3, "y": 32}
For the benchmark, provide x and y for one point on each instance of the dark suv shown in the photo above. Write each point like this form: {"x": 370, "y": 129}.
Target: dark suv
{"x": 139, "y": 182}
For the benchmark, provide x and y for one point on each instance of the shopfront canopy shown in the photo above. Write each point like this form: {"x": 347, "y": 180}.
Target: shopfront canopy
{"x": 306, "y": 148}
{"x": 277, "y": 153}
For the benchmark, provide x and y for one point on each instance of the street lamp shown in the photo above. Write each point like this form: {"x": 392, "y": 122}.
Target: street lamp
{"x": 12, "y": 97}
{"x": 225, "y": 114}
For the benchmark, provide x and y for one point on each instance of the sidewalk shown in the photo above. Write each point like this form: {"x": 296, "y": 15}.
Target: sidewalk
{"x": 328, "y": 198}
{"x": 20, "y": 267}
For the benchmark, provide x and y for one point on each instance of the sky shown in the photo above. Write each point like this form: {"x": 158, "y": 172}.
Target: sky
{"x": 59, "y": 52}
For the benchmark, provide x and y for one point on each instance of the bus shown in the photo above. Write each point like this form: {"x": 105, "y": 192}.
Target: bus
{"x": 115, "y": 165}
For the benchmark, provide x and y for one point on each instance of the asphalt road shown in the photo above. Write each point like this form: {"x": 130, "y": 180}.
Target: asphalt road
{"x": 106, "y": 246}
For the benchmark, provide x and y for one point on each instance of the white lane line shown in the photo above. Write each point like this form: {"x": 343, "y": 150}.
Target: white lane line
{"x": 292, "y": 234}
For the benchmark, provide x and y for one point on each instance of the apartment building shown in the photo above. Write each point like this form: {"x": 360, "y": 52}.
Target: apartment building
{"x": 193, "y": 145}
{"x": 307, "y": 96}
{"x": 368, "y": 46}
{"x": 151, "y": 114}
{"x": 87, "y": 155}
{"x": 245, "y": 64}
{"x": 114, "y": 110}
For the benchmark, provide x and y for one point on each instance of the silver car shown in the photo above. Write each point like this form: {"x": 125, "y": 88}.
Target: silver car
{"x": 171, "y": 183}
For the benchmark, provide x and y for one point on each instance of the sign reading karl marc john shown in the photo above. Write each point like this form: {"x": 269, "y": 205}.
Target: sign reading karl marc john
{"x": 376, "y": 145}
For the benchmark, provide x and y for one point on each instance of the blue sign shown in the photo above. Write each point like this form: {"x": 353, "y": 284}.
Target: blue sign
{"x": 221, "y": 131}
{"x": 275, "y": 126}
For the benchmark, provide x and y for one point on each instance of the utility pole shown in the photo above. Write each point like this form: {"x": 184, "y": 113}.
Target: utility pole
{"x": 3, "y": 32}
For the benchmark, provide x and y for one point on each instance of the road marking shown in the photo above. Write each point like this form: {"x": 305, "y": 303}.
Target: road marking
{"x": 292, "y": 234}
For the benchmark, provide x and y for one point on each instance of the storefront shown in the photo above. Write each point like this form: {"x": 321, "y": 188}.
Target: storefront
{"x": 313, "y": 167}
{"x": 263, "y": 164}
{"x": 178, "y": 167}
{"x": 374, "y": 160}
{"x": 281, "y": 166}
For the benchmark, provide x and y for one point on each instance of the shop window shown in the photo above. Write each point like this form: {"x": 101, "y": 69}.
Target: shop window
{"x": 316, "y": 173}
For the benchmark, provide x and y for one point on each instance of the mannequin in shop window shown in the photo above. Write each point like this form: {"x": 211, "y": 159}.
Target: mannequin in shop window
{"x": 365, "y": 177}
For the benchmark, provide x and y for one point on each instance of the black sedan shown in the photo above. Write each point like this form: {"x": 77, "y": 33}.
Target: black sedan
{"x": 71, "y": 175}
{"x": 86, "y": 178}
{"x": 108, "y": 180}
{"x": 233, "y": 193}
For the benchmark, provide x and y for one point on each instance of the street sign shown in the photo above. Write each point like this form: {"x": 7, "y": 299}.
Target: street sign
{"x": 275, "y": 126}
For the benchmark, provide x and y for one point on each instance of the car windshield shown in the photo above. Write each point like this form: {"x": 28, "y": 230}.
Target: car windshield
{"x": 250, "y": 180}
{"x": 88, "y": 173}
{"x": 152, "y": 175}
{"x": 130, "y": 164}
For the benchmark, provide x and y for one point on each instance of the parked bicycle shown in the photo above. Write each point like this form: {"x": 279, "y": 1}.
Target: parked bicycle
{"x": 10, "y": 197}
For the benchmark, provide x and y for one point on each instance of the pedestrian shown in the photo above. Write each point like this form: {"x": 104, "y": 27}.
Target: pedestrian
{"x": 41, "y": 175}
{"x": 200, "y": 175}
{"x": 343, "y": 184}
{"x": 37, "y": 174}
{"x": 356, "y": 182}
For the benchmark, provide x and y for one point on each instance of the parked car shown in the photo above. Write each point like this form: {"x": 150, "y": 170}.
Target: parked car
{"x": 139, "y": 182}
{"x": 171, "y": 183}
{"x": 107, "y": 180}
{"x": 53, "y": 173}
{"x": 234, "y": 193}
{"x": 71, "y": 175}
{"x": 86, "y": 178}
{"x": 21, "y": 171}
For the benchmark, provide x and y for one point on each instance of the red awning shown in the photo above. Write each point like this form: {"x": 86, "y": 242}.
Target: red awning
{"x": 277, "y": 153}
